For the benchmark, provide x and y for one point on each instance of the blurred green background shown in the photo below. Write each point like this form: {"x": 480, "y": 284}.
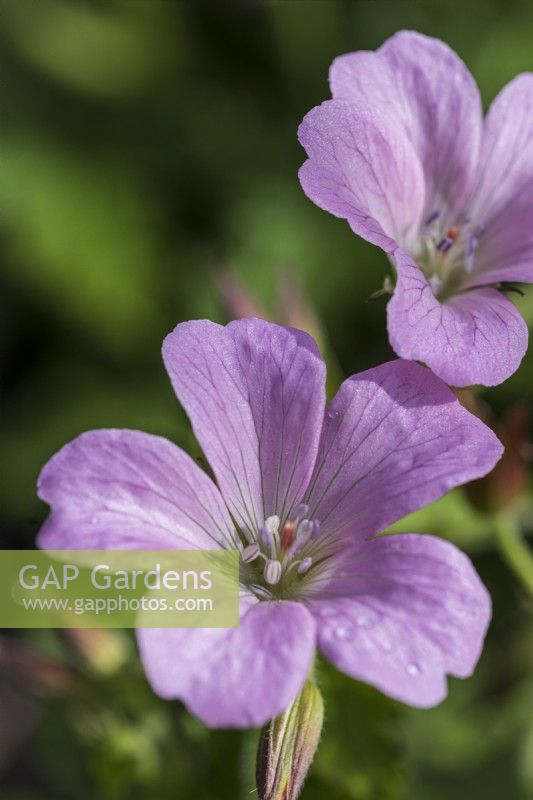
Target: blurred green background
{"x": 148, "y": 162}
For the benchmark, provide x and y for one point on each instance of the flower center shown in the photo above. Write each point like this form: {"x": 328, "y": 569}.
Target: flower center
{"x": 274, "y": 565}
{"x": 447, "y": 253}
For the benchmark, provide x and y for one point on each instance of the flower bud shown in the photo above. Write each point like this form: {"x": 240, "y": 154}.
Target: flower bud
{"x": 287, "y": 746}
{"x": 237, "y": 301}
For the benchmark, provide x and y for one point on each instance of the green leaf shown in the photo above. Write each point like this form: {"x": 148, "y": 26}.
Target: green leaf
{"x": 80, "y": 239}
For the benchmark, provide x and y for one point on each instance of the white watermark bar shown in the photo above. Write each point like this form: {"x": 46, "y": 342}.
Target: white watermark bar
{"x": 119, "y": 589}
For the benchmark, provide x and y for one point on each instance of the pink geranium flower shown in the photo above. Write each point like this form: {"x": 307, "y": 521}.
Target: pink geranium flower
{"x": 403, "y": 153}
{"x": 301, "y": 490}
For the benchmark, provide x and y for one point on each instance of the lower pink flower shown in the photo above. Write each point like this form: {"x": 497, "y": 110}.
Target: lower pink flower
{"x": 302, "y": 490}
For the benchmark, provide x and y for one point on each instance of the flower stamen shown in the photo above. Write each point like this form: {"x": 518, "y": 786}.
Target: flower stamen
{"x": 432, "y": 218}
{"x": 275, "y": 555}
{"x": 447, "y": 255}
{"x": 287, "y": 535}
{"x": 250, "y": 553}
{"x": 304, "y": 565}
{"x": 272, "y": 571}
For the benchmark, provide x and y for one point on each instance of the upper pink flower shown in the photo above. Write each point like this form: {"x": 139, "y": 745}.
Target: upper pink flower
{"x": 301, "y": 490}
{"x": 403, "y": 153}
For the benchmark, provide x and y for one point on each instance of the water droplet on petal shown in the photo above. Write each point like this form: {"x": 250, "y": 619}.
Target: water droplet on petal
{"x": 344, "y": 633}
{"x": 413, "y": 670}
{"x": 363, "y": 621}
{"x": 332, "y": 414}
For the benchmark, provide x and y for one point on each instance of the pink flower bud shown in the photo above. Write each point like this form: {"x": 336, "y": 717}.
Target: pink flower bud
{"x": 287, "y": 746}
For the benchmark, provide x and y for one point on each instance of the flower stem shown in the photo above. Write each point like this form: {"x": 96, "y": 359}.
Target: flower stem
{"x": 514, "y": 549}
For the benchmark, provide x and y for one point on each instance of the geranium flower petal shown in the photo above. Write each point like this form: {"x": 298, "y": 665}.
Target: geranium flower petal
{"x": 413, "y": 610}
{"x": 362, "y": 167}
{"x": 503, "y": 199}
{"x": 425, "y": 88}
{"x": 240, "y": 677}
{"x": 255, "y": 394}
{"x": 116, "y": 489}
{"x": 474, "y": 337}
{"x": 395, "y": 438}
